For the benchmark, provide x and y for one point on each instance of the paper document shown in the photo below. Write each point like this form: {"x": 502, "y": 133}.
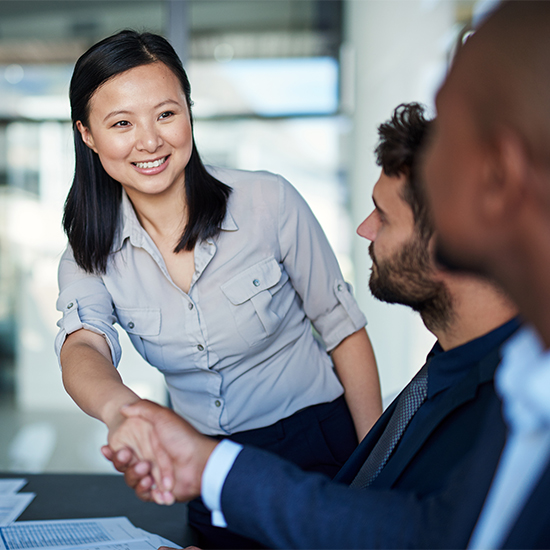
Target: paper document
{"x": 8, "y": 486}
{"x": 100, "y": 533}
{"x": 12, "y": 506}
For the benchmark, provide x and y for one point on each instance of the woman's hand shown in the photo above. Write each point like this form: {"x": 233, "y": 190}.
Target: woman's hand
{"x": 187, "y": 449}
{"x": 135, "y": 440}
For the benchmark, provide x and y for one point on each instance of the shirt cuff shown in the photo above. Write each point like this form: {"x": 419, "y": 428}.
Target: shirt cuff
{"x": 213, "y": 478}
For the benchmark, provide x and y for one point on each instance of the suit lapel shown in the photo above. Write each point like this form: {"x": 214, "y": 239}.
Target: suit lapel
{"x": 356, "y": 460}
{"x": 462, "y": 392}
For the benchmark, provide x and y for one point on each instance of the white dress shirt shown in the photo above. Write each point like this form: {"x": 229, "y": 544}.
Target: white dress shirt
{"x": 523, "y": 382}
{"x": 237, "y": 351}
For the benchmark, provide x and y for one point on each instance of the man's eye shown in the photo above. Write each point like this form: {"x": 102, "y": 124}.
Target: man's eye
{"x": 381, "y": 217}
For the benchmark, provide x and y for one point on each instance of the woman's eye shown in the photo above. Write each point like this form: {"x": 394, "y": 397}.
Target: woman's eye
{"x": 166, "y": 114}
{"x": 122, "y": 123}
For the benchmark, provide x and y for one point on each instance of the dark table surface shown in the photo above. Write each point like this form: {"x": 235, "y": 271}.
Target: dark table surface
{"x": 76, "y": 496}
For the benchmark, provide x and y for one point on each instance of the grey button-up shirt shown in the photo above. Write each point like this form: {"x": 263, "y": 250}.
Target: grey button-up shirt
{"x": 238, "y": 351}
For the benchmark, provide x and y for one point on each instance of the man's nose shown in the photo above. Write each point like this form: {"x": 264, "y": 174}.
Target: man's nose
{"x": 369, "y": 227}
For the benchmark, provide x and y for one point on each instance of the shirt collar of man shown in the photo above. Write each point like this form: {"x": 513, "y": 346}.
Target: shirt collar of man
{"x": 447, "y": 367}
{"x": 523, "y": 380}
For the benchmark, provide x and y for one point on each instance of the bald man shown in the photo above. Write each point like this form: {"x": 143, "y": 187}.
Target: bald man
{"x": 488, "y": 178}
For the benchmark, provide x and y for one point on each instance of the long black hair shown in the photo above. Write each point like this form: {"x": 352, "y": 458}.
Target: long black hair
{"x": 92, "y": 207}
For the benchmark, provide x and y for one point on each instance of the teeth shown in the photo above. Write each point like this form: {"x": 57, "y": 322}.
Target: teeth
{"x": 154, "y": 164}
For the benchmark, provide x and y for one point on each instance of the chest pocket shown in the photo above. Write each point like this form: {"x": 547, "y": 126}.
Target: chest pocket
{"x": 254, "y": 299}
{"x": 143, "y": 328}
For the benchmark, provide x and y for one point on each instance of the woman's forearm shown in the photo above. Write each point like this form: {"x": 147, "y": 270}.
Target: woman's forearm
{"x": 91, "y": 379}
{"x": 356, "y": 368}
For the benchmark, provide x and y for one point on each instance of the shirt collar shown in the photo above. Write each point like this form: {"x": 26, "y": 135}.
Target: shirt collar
{"x": 523, "y": 381}
{"x": 446, "y": 367}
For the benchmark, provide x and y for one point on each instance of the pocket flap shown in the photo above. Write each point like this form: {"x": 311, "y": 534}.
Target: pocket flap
{"x": 248, "y": 283}
{"x": 140, "y": 321}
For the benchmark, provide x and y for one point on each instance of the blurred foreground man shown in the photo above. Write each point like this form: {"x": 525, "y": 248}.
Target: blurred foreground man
{"x": 409, "y": 456}
{"x": 488, "y": 178}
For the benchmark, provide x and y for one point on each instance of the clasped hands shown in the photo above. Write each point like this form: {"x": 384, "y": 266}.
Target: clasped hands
{"x": 161, "y": 456}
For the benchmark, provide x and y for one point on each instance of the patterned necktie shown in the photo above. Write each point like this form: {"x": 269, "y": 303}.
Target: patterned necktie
{"x": 408, "y": 403}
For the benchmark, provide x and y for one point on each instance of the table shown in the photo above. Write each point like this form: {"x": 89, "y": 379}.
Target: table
{"x": 76, "y": 496}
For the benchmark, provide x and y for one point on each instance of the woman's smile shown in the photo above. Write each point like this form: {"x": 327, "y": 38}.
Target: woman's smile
{"x": 152, "y": 167}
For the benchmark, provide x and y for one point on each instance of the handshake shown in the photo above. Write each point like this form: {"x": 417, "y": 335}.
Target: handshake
{"x": 161, "y": 456}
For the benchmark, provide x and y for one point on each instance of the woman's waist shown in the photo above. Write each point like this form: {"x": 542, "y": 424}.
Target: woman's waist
{"x": 219, "y": 404}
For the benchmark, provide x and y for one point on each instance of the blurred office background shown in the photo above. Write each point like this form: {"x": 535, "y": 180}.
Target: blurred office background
{"x": 297, "y": 87}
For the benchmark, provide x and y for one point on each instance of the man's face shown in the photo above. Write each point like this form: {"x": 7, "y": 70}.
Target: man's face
{"x": 402, "y": 268}
{"x": 452, "y": 168}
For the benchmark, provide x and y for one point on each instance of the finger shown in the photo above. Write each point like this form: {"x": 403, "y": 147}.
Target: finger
{"x": 107, "y": 452}
{"x": 162, "y": 497}
{"x": 123, "y": 459}
{"x": 137, "y": 473}
{"x": 143, "y": 489}
{"x": 124, "y": 456}
{"x": 163, "y": 464}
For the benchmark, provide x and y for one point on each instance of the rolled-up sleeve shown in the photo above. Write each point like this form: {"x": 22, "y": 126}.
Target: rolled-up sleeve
{"x": 84, "y": 303}
{"x": 312, "y": 266}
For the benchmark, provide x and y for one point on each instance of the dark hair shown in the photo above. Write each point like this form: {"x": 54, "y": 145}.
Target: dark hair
{"x": 93, "y": 203}
{"x": 397, "y": 152}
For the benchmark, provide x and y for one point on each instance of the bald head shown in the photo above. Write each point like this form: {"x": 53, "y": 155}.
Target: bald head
{"x": 487, "y": 169}
{"x": 505, "y": 73}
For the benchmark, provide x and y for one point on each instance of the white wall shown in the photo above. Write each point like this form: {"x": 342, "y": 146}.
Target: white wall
{"x": 395, "y": 52}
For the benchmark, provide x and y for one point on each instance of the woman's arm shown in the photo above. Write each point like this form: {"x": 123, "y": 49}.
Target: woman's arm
{"x": 95, "y": 385}
{"x": 356, "y": 368}
{"x": 91, "y": 379}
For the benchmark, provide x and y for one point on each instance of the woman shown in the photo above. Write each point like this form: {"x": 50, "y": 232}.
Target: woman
{"x": 215, "y": 275}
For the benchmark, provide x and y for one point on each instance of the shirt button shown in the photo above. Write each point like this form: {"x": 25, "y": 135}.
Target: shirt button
{"x": 70, "y": 305}
{"x": 190, "y": 305}
{"x": 200, "y": 347}
{"x": 218, "y": 403}
{"x": 131, "y": 325}
{"x": 256, "y": 282}
{"x": 339, "y": 287}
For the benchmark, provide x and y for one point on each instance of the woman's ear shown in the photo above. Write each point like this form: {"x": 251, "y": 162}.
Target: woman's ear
{"x": 87, "y": 137}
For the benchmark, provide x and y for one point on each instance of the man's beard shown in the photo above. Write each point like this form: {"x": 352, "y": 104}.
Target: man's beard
{"x": 408, "y": 278}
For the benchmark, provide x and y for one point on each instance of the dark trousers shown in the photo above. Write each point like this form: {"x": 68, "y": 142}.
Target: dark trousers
{"x": 318, "y": 439}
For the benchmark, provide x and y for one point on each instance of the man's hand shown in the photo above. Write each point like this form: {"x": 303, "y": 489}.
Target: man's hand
{"x": 187, "y": 449}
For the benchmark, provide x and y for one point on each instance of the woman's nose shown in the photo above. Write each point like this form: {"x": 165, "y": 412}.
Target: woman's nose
{"x": 148, "y": 139}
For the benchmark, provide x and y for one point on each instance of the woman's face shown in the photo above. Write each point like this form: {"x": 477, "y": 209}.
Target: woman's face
{"x": 139, "y": 125}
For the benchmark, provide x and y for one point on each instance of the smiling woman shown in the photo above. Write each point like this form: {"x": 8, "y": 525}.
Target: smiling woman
{"x": 141, "y": 138}
{"x": 216, "y": 275}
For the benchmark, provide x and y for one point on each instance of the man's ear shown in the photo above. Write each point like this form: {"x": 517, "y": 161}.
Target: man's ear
{"x": 505, "y": 177}
{"x": 87, "y": 137}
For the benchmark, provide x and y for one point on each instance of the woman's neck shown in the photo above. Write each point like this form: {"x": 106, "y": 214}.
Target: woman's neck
{"x": 163, "y": 216}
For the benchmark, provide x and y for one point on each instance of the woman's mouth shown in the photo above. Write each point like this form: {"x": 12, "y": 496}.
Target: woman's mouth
{"x": 151, "y": 164}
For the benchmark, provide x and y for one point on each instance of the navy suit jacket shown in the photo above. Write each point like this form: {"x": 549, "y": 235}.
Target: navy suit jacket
{"x": 274, "y": 502}
{"x": 424, "y": 460}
